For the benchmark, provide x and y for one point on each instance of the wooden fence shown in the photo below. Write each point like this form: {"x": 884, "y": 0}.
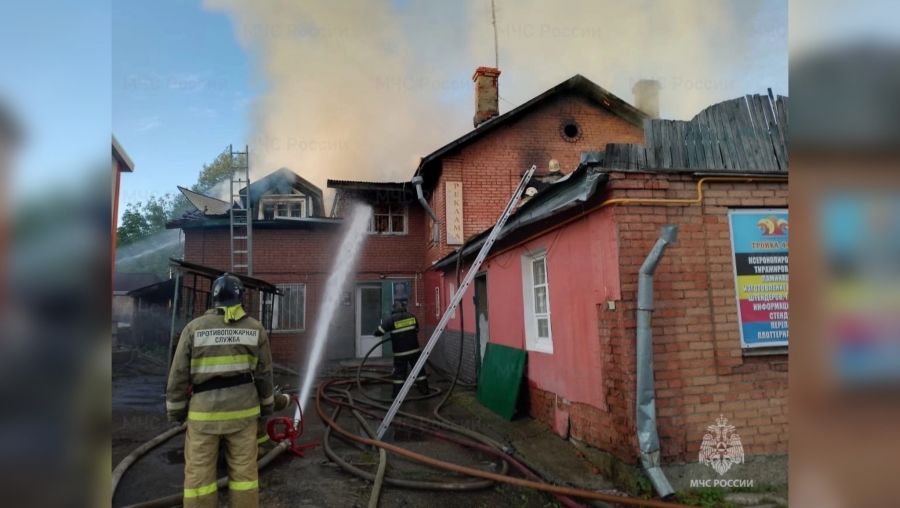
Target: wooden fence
{"x": 744, "y": 134}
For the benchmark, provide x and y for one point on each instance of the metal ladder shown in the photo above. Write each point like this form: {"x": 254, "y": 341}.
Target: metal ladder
{"x": 242, "y": 214}
{"x": 454, "y": 302}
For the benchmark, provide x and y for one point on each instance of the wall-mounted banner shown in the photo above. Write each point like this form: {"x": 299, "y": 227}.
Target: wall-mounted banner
{"x": 454, "y": 200}
{"x": 759, "y": 244}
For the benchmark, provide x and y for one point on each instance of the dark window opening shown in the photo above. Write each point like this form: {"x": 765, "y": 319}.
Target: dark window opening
{"x": 570, "y": 131}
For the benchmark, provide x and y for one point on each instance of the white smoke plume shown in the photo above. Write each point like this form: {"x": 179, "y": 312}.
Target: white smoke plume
{"x": 361, "y": 89}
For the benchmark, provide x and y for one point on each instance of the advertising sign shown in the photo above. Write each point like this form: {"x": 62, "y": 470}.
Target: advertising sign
{"x": 759, "y": 244}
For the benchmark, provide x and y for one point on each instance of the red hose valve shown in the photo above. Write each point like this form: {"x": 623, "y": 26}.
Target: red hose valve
{"x": 281, "y": 428}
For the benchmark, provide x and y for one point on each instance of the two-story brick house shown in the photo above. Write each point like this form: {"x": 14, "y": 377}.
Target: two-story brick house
{"x": 591, "y": 149}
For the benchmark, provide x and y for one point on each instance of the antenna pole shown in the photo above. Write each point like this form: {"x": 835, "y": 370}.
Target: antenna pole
{"x": 494, "y": 23}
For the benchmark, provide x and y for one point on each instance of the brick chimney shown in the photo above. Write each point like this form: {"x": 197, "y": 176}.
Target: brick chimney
{"x": 486, "y": 94}
{"x": 646, "y": 96}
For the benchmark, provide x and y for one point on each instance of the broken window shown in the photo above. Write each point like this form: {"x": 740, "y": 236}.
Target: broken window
{"x": 388, "y": 220}
{"x": 282, "y": 207}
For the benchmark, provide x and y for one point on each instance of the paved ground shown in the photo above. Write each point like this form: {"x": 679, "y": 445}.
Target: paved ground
{"x": 314, "y": 481}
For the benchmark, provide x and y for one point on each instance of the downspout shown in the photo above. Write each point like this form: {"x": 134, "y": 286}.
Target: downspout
{"x": 436, "y": 236}
{"x": 648, "y": 437}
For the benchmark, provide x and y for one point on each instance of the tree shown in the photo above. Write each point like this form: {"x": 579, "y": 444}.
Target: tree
{"x": 142, "y": 221}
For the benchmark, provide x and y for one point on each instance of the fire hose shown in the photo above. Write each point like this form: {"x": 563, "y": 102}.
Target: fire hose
{"x": 332, "y": 425}
{"x": 280, "y": 429}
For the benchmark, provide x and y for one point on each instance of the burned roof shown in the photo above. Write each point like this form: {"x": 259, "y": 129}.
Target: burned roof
{"x": 213, "y": 212}
{"x": 363, "y": 185}
{"x": 429, "y": 167}
{"x": 284, "y": 181}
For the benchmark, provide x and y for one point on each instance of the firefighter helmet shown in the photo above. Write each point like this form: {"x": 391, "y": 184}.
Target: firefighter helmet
{"x": 227, "y": 290}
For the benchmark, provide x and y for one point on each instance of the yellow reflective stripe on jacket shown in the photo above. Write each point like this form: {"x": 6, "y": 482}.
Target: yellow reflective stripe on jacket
{"x": 404, "y": 329}
{"x": 263, "y": 439}
{"x": 213, "y": 364}
{"x": 223, "y": 360}
{"x": 244, "y": 485}
{"x": 406, "y": 353}
{"x": 211, "y": 416}
{"x": 201, "y": 491}
{"x": 404, "y": 323}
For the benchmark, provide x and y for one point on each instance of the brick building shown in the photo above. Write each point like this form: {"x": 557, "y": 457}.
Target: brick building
{"x": 561, "y": 281}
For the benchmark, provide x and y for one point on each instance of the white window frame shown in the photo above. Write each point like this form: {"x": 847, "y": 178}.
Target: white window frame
{"x": 276, "y": 305}
{"x": 392, "y": 212}
{"x": 276, "y": 199}
{"x": 532, "y": 341}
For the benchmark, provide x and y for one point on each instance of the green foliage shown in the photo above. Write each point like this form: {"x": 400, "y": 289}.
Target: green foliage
{"x": 217, "y": 171}
{"x": 141, "y": 220}
{"x": 142, "y": 242}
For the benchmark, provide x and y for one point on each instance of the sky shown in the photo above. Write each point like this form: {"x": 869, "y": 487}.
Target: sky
{"x": 181, "y": 92}
{"x": 362, "y": 89}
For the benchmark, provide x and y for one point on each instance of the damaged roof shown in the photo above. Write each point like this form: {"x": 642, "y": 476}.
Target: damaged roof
{"x": 213, "y": 212}
{"x": 429, "y": 166}
{"x": 284, "y": 181}
{"x": 567, "y": 196}
{"x": 362, "y": 185}
{"x": 206, "y": 204}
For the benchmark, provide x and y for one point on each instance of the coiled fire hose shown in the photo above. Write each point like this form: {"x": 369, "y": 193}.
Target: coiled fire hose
{"x": 330, "y": 422}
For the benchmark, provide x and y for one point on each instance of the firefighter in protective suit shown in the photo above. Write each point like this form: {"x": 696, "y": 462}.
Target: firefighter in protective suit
{"x": 404, "y": 330}
{"x": 221, "y": 382}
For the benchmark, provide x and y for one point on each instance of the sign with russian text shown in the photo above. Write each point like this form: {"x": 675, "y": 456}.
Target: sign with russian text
{"x": 759, "y": 243}
{"x": 454, "y": 195}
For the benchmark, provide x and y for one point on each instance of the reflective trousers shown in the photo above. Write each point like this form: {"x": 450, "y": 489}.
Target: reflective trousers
{"x": 201, "y": 452}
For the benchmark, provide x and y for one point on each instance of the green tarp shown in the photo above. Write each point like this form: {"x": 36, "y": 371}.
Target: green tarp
{"x": 501, "y": 379}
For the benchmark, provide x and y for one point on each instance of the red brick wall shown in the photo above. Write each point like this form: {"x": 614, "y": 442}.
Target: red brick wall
{"x": 491, "y": 167}
{"x": 306, "y": 256}
{"x": 699, "y": 366}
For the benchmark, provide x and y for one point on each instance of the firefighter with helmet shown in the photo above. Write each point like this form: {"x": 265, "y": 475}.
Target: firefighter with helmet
{"x": 404, "y": 330}
{"x": 221, "y": 383}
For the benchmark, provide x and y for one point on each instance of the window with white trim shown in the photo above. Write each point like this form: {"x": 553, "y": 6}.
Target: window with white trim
{"x": 288, "y": 309}
{"x": 389, "y": 219}
{"x": 283, "y": 206}
{"x": 536, "y": 299}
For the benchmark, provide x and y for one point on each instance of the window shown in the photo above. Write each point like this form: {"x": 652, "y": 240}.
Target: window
{"x": 536, "y": 293}
{"x": 282, "y": 207}
{"x": 388, "y": 220}
{"x": 288, "y": 309}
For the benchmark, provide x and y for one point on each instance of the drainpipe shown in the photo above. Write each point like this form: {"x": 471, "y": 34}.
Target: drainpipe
{"x": 648, "y": 437}
{"x": 417, "y": 181}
